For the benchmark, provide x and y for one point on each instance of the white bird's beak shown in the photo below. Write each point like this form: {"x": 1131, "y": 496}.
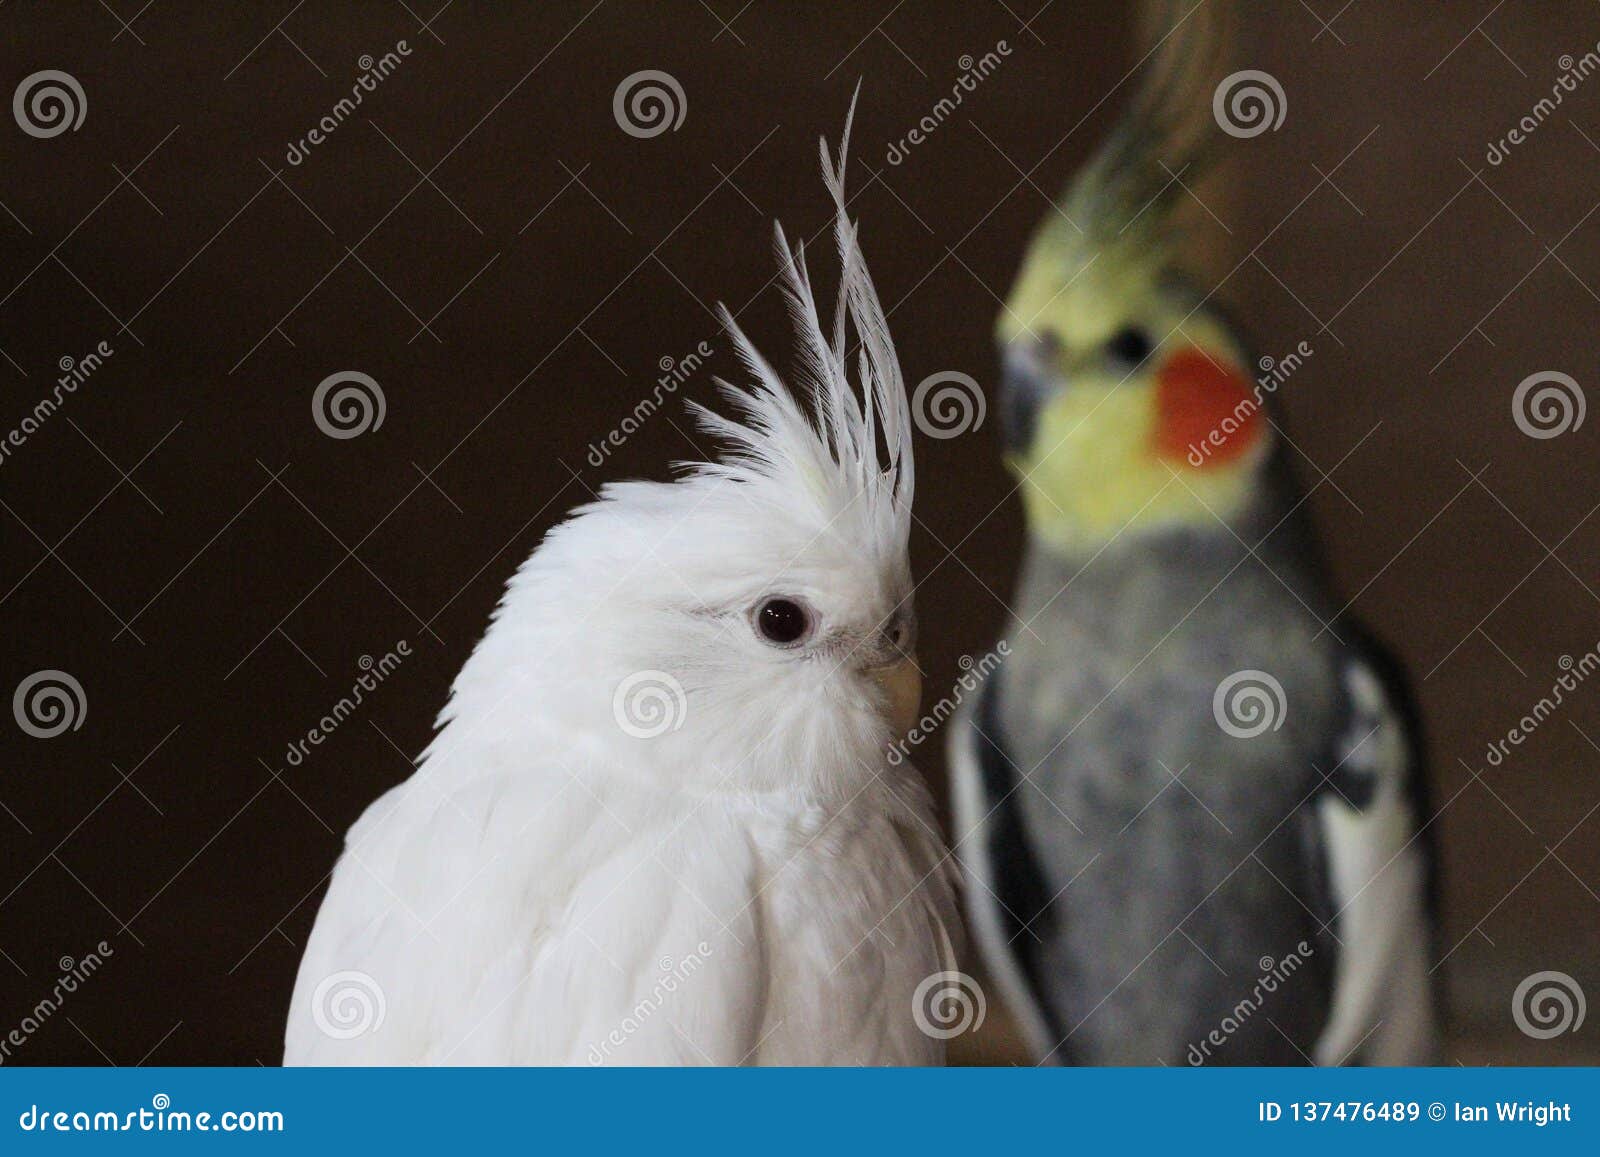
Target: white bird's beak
{"x": 902, "y": 686}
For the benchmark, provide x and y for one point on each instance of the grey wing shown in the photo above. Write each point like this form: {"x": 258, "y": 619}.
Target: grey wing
{"x": 1378, "y": 866}
{"x": 1004, "y": 890}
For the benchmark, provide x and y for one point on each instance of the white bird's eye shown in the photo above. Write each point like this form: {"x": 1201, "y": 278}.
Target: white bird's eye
{"x": 782, "y": 621}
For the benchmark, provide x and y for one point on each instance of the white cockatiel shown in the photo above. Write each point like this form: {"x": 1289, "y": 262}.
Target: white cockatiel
{"x": 658, "y": 824}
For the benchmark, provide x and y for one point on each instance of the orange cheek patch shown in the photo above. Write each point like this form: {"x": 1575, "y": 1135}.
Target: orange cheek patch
{"x": 1205, "y": 412}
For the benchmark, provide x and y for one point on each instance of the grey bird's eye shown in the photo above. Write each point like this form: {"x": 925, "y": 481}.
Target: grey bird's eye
{"x": 783, "y": 622}
{"x": 1130, "y": 345}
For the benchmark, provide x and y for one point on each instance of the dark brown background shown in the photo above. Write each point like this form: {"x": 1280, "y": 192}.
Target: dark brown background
{"x": 185, "y": 494}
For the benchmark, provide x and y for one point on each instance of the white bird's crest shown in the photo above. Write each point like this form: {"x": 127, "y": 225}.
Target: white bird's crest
{"x": 810, "y": 500}
{"x": 854, "y": 458}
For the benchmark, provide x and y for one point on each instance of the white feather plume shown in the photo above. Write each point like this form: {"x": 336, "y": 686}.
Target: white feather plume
{"x": 850, "y": 453}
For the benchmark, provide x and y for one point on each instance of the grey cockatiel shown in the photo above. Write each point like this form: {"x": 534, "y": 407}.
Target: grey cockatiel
{"x": 1187, "y": 801}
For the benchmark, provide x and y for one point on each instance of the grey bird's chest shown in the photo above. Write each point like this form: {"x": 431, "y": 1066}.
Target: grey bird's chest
{"x": 1203, "y": 668}
{"x": 1166, "y": 815}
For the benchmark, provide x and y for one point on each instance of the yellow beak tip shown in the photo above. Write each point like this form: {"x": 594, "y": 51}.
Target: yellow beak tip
{"x": 902, "y": 689}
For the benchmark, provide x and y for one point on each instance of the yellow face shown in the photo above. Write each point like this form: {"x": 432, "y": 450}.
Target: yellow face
{"x": 1128, "y": 409}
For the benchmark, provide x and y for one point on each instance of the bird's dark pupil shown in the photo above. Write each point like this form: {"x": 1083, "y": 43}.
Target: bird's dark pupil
{"x": 1131, "y": 345}
{"x": 782, "y": 621}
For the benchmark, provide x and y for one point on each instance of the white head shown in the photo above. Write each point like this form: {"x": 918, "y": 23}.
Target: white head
{"x": 750, "y": 623}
